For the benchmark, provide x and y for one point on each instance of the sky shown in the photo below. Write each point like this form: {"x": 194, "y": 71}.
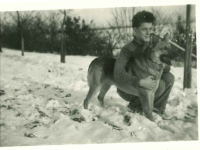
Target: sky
{"x": 100, "y": 15}
{"x": 103, "y": 16}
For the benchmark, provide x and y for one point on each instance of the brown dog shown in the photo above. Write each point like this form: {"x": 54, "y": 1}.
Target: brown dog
{"x": 100, "y": 73}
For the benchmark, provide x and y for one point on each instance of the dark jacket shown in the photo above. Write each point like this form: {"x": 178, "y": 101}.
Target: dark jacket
{"x": 129, "y": 52}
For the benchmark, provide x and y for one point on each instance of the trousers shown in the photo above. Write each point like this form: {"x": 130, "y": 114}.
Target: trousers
{"x": 161, "y": 94}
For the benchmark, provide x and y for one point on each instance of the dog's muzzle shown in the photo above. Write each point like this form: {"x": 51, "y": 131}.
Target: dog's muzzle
{"x": 168, "y": 58}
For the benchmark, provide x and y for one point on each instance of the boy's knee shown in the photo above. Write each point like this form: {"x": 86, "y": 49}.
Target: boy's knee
{"x": 168, "y": 78}
{"x": 171, "y": 78}
{"x": 162, "y": 84}
{"x": 161, "y": 88}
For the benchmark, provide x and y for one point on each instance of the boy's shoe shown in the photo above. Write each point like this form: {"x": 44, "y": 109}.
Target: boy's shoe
{"x": 134, "y": 109}
{"x": 164, "y": 115}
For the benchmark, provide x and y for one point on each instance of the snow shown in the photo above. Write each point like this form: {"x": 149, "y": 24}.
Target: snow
{"x": 42, "y": 104}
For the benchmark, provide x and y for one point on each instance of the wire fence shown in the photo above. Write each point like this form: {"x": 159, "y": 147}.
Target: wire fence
{"x": 123, "y": 34}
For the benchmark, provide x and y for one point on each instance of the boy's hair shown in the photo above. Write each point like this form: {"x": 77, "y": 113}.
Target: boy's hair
{"x": 142, "y": 17}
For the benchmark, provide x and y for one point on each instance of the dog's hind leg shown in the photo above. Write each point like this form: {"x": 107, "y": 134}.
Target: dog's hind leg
{"x": 92, "y": 92}
{"x": 103, "y": 91}
{"x": 95, "y": 80}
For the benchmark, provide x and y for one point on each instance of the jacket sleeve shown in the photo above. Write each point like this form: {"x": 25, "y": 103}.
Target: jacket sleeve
{"x": 120, "y": 73}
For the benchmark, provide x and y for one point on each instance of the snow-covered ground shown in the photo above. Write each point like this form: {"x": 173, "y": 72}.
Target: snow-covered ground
{"x": 41, "y": 104}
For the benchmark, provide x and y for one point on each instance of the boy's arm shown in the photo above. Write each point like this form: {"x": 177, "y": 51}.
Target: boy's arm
{"x": 120, "y": 73}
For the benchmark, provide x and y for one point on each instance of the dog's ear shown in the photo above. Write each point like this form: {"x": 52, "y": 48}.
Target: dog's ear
{"x": 166, "y": 37}
{"x": 154, "y": 39}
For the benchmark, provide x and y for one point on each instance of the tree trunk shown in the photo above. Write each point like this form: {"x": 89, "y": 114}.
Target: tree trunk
{"x": 20, "y": 27}
{"x": 51, "y": 48}
{"x": 22, "y": 43}
{"x": 63, "y": 40}
{"x": 62, "y": 46}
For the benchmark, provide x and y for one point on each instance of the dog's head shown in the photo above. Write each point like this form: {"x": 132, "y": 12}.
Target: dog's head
{"x": 162, "y": 48}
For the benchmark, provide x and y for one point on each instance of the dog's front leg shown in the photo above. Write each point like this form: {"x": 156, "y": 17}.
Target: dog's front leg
{"x": 152, "y": 97}
{"x": 147, "y": 103}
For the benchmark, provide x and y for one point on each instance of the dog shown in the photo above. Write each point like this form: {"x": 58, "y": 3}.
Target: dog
{"x": 100, "y": 73}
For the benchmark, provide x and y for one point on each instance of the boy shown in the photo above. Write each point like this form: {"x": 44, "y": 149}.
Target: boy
{"x": 142, "y": 24}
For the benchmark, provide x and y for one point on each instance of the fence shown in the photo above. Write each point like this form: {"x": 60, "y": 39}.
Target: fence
{"x": 43, "y": 34}
{"x": 160, "y": 30}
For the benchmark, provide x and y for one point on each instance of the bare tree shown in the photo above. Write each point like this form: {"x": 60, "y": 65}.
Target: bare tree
{"x": 21, "y": 19}
{"x": 63, "y": 44}
{"x": 53, "y": 19}
{"x": 4, "y": 21}
{"x": 122, "y": 25}
{"x": 164, "y": 21}
{"x": 20, "y": 26}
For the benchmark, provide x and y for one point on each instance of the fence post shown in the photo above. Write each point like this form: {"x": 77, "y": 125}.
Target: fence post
{"x": 188, "y": 52}
{"x": 0, "y": 33}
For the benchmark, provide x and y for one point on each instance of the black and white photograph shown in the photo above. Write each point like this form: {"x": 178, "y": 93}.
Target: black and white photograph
{"x": 107, "y": 75}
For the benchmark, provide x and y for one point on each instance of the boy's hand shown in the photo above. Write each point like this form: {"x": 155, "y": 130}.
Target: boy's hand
{"x": 148, "y": 83}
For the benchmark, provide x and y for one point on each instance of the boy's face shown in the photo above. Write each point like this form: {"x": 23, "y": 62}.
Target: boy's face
{"x": 143, "y": 32}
